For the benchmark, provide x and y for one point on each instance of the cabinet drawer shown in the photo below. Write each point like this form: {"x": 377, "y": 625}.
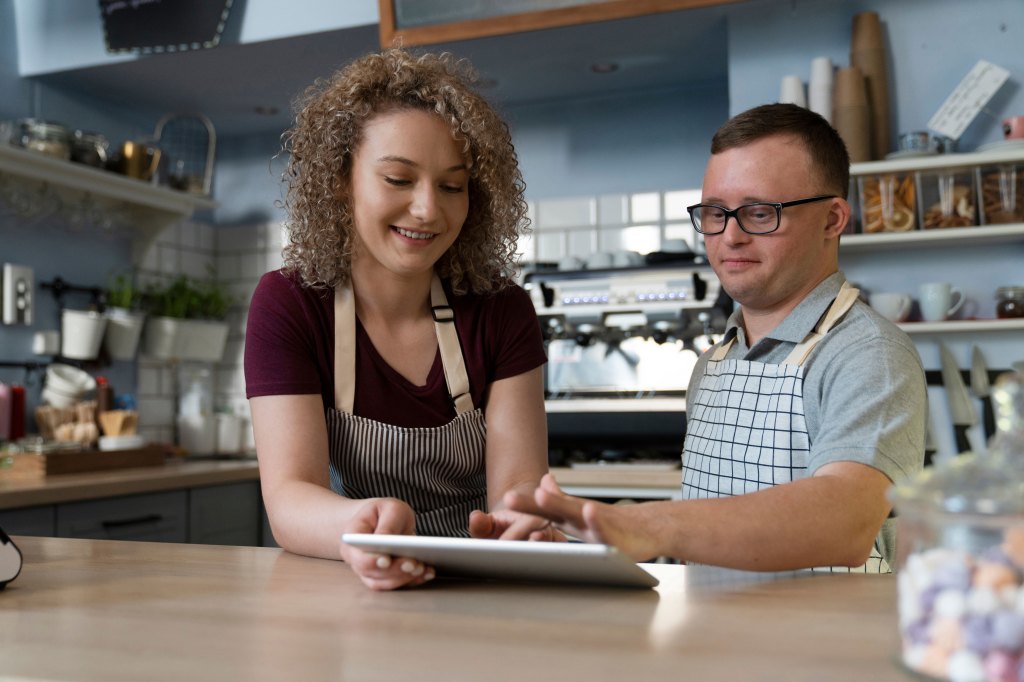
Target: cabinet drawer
{"x": 158, "y": 517}
{"x": 38, "y": 521}
{"x": 225, "y": 514}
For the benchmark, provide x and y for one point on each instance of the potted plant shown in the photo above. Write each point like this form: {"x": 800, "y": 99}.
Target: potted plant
{"x": 124, "y": 319}
{"x": 187, "y": 320}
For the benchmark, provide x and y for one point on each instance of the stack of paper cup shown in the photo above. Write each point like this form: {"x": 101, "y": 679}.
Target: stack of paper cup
{"x": 791, "y": 91}
{"x": 819, "y": 88}
{"x": 850, "y": 113}
{"x": 867, "y": 53}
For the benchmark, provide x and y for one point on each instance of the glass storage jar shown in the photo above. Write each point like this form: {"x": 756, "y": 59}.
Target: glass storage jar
{"x": 45, "y": 137}
{"x": 89, "y": 148}
{"x": 1009, "y": 302}
{"x": 947, "y": 199}
{"x": 1002, "y": 193}
{"x": 887, "y": 202}
{"x": 960, "y": 556}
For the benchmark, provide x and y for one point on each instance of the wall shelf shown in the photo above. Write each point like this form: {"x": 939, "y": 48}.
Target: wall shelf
{"x": 913, "y": 239}
{"x": 143, "y": 208}
{"x": 962, "y": 326}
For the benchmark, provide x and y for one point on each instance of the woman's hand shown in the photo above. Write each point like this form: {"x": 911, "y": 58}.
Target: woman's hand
{"x": 505, "y": 524}
{"x": 384, "y": 516}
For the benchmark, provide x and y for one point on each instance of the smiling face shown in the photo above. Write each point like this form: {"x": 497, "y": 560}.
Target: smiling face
{"x": 409, "y": 189}
{"x": 770, "y": 274}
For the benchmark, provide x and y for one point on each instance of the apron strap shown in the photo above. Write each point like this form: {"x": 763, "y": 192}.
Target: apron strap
{"x": 344, "y": 349}
{"x": 845, "y": 299}
{"x": 455, "y": 375}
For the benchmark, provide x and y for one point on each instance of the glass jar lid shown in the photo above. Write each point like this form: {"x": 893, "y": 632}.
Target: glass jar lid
{"x": 985, "y": 483}
{"x": 1010, "y": 292}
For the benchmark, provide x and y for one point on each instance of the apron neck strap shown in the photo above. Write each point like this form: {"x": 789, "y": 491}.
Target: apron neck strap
{"x": 844, "y": 300}
{"x": 455, "y": 375}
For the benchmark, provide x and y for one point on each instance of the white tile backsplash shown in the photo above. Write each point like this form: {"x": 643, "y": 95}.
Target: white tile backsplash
{"x": 582, "y": 243}
{"x": 168, "y": 259}
{"x": 196, "y": 264}
{"x": 645, "y": 208}
{"x": 550, "y": 246}
{"x": 553, "y": 214}
{"x": 612, "y": 209}
{"x": 155, "y": 411}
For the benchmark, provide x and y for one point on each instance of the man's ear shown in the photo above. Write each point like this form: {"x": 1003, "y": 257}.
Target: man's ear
{"x": 839, "y": 215}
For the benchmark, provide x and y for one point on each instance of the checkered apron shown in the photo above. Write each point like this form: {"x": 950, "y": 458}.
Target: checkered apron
{"x": 439, "y": 471}
{"x": 747, "y": 431}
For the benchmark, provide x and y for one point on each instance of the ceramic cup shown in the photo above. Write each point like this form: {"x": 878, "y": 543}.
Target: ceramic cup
{"x": 894, "y": 307}
{"x": 940, "y": 301}
{"x": 1013, "y": 128}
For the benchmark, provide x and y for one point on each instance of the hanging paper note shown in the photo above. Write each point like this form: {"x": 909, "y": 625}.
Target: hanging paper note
{"x": 968, "y": 98}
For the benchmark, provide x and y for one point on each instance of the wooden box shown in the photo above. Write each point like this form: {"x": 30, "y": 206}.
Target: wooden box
{"x": 32, "y": 465}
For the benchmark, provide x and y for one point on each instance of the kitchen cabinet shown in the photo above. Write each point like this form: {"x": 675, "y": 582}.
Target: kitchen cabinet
{"x": 157, "y": 517}
{"x": 426, "y": 22}
{"x": 196, "y": 502}
{"x": 41, "y": 183}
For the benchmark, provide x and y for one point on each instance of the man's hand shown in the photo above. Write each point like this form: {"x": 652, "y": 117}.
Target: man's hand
{"x": 506, "y": 524}
{"x": 384, "y": 516}
{"x": 585, "y": 519}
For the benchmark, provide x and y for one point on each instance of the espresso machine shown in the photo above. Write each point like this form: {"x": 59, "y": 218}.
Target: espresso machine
{"x": 621, "y": 345}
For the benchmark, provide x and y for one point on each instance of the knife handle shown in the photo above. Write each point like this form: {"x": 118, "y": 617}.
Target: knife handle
{"x": 988, "y": 417}
{"x": 962, "y": 444}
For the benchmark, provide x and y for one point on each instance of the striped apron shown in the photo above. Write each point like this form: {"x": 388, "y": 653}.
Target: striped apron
{"x": 440, "y": 472}
{"x": 747, "y": 430}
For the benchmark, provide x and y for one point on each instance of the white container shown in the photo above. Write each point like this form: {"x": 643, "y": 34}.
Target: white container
{"x": 229, "y": 434}
{"x": 124, "y": 329}
{"x": 197, "y": 434}
{"x": 126, "y": 442}
{"x": 81, "y": 334}
{"x": 168, "y": 337}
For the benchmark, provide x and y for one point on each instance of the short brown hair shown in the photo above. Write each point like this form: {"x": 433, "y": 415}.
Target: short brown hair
{"x": 330, "y": 119}
{"x": 824, "y": 146}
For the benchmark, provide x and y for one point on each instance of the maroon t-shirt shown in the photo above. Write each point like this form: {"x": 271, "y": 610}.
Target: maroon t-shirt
{"x": 289, "y": 350}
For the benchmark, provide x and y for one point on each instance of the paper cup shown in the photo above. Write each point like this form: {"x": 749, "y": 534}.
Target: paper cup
{"x": 791, "y": 91}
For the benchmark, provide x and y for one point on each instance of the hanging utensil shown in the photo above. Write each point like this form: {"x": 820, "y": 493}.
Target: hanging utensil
{"x": 960, "y": 406}
{"x": 982, "y": 389}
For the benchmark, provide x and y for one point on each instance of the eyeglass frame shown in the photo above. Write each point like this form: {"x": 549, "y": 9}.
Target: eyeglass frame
{"x": 734, "y": 213}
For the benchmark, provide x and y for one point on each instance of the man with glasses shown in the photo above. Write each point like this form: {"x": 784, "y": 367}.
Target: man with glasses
{"x": 811, "y": 406}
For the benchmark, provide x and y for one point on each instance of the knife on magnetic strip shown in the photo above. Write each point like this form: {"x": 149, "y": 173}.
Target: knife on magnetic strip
{"x": 960, "y": 407}
{"x": 982, "y": 389}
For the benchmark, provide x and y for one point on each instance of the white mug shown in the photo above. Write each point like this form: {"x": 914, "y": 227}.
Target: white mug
{"x": 940, "y": 301}
{"x": 892, "y": 306}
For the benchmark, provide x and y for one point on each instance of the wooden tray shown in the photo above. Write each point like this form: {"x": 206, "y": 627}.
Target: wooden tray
{"x": 30, "y": 465}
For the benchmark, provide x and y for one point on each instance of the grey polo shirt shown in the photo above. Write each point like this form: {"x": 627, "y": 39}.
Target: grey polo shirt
{"x": 864, "y": 390}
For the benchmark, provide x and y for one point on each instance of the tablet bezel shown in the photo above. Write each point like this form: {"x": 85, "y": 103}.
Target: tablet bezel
{"x": 561, "y": 562}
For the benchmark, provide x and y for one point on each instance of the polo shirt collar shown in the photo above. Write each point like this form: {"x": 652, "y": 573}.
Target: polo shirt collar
{"x": 802, "y": 320}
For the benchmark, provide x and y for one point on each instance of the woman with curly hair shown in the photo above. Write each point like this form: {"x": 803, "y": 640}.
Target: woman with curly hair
{"x": 393, "y": 369}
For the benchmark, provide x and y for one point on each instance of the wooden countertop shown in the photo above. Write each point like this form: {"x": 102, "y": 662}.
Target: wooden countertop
{"x": 173, "y": 475}
{"x": 622, "y": 476}
{"x": 104, "y": 610}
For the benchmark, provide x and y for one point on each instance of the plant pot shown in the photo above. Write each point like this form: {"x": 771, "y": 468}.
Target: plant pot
{"x": 81, "y": 334}
{"x": 203, "y": 340}
{"x": 124, "y": 329}
{"x": 170, "y": 337}
{"x": 160, "y": 339}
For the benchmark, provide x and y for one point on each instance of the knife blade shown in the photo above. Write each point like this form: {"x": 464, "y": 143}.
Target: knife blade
{"x": 929, "y": 442}
{"x": 983, "y": 390}
{"x": 960, "y": 406}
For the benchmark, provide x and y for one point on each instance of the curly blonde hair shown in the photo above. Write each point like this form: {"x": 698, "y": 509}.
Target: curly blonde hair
{"x": 330, "y": 119}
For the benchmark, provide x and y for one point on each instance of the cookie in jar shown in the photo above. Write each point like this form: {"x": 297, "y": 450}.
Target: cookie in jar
{"x": 948, "y": 199}
{"x": 887, "y": 202}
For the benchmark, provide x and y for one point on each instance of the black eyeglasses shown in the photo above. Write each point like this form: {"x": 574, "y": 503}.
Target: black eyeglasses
{"x": 760, "y": 218}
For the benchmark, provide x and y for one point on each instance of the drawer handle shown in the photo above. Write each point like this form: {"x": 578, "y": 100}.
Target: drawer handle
{"x": 121, "y": 523}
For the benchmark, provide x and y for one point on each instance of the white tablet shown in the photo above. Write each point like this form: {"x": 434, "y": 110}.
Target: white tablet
{"x": 563, "y": 562}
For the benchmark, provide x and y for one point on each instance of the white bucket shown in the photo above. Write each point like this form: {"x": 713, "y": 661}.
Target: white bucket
{"x": 81, "y": 334}
{"x": 124, "y": 328}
